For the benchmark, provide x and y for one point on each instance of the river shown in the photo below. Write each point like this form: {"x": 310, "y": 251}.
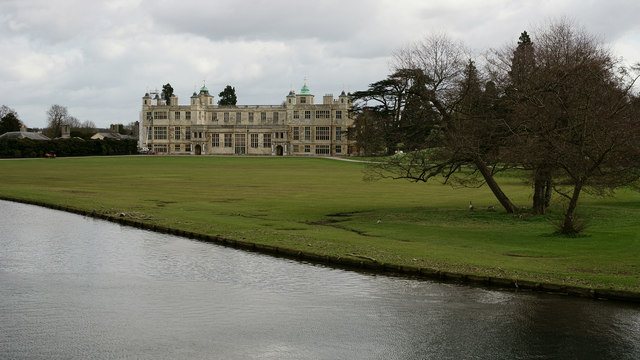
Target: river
{"x": 77, "y": 287}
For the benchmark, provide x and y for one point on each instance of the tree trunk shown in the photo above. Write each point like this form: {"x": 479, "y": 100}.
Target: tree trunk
{"x": 569, "y": 217}
{"x": 493, "y": 185}
{"x": 541, "y": 182}
{"x": 547, "y": 193}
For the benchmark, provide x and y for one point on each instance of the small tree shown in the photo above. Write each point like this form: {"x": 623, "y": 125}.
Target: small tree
{"x": 167, "y": 92}
{"x": 228, "y": 96}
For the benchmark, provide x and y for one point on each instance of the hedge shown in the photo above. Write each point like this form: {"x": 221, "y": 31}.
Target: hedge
{"x": 28, "y": 148}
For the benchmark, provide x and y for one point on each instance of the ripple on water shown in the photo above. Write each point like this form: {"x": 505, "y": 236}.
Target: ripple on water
{"x": 73, "y": 287}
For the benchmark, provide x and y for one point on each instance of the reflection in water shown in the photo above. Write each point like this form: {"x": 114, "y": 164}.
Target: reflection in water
{"x": 74, "y": 287}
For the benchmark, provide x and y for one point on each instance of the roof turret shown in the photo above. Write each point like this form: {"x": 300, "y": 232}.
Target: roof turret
{"x": 305, "y": 90}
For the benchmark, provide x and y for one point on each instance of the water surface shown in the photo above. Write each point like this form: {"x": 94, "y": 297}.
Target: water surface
{"x": 76, "y": 287}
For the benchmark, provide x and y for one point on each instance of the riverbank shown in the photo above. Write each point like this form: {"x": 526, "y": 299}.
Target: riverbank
{"x": 320, "y": 210}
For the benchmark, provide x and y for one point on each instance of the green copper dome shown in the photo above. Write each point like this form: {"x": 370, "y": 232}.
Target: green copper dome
{"x": 305, "y": 90}
{"x": 204, "y": 88}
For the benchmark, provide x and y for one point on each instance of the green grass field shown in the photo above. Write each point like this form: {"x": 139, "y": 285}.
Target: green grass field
{"x": 324, "y": 206}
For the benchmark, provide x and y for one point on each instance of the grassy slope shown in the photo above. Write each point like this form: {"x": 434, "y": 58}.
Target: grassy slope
{"x": 287, "y": 202}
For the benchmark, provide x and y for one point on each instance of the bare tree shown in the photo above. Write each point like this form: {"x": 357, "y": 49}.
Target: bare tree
{"x": 57, "y": 115}
{"x": 466, "y": 126}
{"x": 4, "y": 110}
{"x": 576, "y": 122}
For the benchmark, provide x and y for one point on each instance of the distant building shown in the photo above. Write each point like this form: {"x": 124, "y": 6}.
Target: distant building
{"x": 109, "y": 135}
{"x": 66, "y": 132}
{"x": 297, "y": 127}
{"x": 23, "y": 135}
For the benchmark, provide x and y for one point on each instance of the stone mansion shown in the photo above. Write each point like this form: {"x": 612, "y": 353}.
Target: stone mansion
{"x": 297, "y": 127}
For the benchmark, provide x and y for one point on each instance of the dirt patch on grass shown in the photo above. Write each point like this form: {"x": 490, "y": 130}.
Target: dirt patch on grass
{"x": 227, "y": 200}
{"x": 530, "y": 256}
{"x": 343, "y": 216}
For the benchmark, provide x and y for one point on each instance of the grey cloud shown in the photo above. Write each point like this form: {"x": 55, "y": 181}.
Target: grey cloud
{"x": 266, "y": 20}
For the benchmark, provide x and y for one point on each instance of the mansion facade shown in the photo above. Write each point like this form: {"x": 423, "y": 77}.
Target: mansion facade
{"x": 297, "y": 127}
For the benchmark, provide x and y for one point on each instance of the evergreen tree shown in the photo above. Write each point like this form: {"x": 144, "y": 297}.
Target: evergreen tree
{"x": 167, "y": 92}
{"x": 9, "y": 122}
{"x": 228, "y": 96}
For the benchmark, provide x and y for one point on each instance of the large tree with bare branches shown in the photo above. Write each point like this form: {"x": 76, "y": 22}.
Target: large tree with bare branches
{"x": 574, "y": 118}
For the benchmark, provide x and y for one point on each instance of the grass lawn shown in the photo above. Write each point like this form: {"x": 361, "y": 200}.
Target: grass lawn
{"x": 324, "y": 206}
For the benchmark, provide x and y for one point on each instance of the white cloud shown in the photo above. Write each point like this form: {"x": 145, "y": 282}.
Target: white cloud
{"x": 98, "y": 57}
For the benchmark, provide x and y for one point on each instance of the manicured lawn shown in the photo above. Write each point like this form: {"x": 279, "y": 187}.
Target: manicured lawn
{"x": 323, "y": 205}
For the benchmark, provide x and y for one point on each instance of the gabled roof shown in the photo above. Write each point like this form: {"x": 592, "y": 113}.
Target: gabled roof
{"x": 23, "y": 135}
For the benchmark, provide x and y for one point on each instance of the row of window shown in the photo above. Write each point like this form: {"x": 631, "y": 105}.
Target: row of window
{"x": 321, "y": 133}
{"x": 240, "y": 145}
{"x": 308, "y": 114}
{"x": 240, "y": 140}
{"x": 319, "y": 114}
{"x": 319, "y": 149}
{"x": 163, "y": 115}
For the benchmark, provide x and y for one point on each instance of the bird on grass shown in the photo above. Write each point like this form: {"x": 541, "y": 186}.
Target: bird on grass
{"x": 471, "y": 206}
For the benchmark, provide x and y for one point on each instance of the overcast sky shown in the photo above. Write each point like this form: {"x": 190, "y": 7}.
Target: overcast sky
{"x": 98, "y": 58}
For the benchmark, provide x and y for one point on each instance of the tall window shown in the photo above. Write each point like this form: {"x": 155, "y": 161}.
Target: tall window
{"x": 338, "y": 133}
{"x": 322, "y": 133}
{"x": 160, "y": 133}
{"x": 226, "y": 117}
{"x": 187, "y": 147}
{"x": 254, "y": 140}
{"x": 176, "y": 148}
{"x": 338, "y": 114}
{"x": 338, "y": 149}
{"x": 296, "y": 148}
{"x": 323, "y": 114}
{"x": 176, "y": 133}
{"x": 187, "y": 115}
{"x": 266, "y": 140}
{"x": 307, "y": 148}
{"x": 303, "y": 100}
{"x": 296, "y": 133}
{"x": 322, "y": 149}
{"x": 263, "y": 116}
{"x": 307, "y": 132}
{"x": 296, "y": 114}
{"x": 214, "y": 116}
{"x": 238, "y": 117}
{"x": 251, "y": 117}
{"x": 227, "y": 140}
{"x": 275, "y": 117}
{"x": 307, "y": 114}
{"x": 177, "y": 115}
{"x": 215, "y": 140}
{"x": 187, "y": 133}
{"x": 241, "y": 143}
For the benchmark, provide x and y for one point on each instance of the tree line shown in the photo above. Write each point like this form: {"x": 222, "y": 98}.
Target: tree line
{"x": 560, "y": 106}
